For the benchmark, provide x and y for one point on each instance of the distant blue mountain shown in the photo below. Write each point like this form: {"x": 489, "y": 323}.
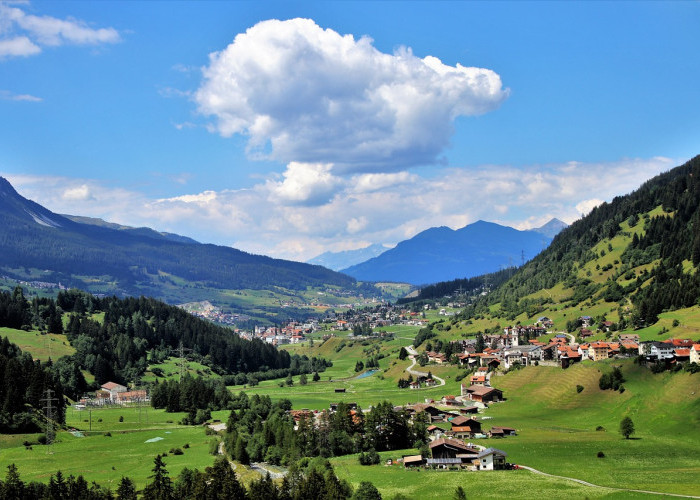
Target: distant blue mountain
{"x": 443, "y": 254}
{"x": 340, "y": 260}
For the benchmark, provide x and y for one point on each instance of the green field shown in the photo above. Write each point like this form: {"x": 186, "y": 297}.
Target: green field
{"x": 171, "y": 369}
{"x": 106, "y": 459}
{"x": 40, "y": 346}
{"x": 557, "y": 426}
{"x": 424, "y": 484}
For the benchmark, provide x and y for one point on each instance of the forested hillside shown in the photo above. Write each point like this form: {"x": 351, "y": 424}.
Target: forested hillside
{"x": 641, "y": 250}
{"x": 33, "y": 237}
{"x": 116, "y": 339}
{"x": 23, "y": 385}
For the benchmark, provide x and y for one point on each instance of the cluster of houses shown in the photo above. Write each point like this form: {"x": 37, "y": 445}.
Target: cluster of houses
{"x": 449, "y": 431}
{"x": 504, "y": 350}
{"x": 449, "y": 448}
{"x": 111, "y": 393}
{"x": 291, "y": 333}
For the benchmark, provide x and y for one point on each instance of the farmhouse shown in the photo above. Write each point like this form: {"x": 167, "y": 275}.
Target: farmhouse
{"x": 482, "y": 394}
{"x": 491, "y": 459}
{"x": 413, "y": 461}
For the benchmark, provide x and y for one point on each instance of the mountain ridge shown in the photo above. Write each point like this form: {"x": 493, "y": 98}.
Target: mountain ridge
{"x": 136, "y": 262}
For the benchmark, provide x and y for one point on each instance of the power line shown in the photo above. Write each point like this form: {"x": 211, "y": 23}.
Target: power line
{"x": 49, "y": 400}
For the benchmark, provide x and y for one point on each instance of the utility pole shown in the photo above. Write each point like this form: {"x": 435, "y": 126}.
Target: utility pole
{"x": 49, "y": 400}
{"x": 181, "y": 351}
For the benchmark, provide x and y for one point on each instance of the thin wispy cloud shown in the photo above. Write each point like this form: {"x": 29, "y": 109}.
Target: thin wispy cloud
{"x": 6, "y": 95}
{"x": 267, "y": 219}
{"x": 24, "y": 34}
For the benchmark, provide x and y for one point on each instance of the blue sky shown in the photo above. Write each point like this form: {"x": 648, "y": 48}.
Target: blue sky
{"x": 366, "y": 123}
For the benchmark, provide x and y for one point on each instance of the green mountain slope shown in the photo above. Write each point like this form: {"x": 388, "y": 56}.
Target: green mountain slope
{"x": 104, "y": 259}
{"x": 632, "y": 262}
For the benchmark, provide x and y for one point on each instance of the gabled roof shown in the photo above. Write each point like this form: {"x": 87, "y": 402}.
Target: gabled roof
{"x": 481, "y": 390}
{"x": 461, "y": 428}
{"x": 492, "y": 451}
{"x": 449, "y": 442}
{"x": 108, "y": 386}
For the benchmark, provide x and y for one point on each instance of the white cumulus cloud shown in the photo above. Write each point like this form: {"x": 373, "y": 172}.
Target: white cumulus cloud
{"x": 306, "y": 184}
{"x": 301, "y": 93}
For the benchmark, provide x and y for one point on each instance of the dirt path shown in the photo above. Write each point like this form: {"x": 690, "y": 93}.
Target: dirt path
{"x": 586, "y": 483}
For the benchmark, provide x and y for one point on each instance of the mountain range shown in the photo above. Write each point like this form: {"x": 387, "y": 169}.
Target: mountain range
{"x": 442, "y": 254}
{"x": 340, "y": 260}
{"x": 38, "y": 244}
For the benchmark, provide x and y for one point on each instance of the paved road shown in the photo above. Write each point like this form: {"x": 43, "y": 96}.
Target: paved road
{"x": 586, "y": 483}
{"x": 412, "y": 356}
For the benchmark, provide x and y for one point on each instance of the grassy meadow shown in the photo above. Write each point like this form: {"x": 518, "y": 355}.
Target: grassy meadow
{"x": 113, "y": 449}
{"x": 41, "y": 346}
{"x": 557, "y": 425}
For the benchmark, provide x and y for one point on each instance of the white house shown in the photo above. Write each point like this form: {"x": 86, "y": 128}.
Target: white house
{"x": 491, "y": 459}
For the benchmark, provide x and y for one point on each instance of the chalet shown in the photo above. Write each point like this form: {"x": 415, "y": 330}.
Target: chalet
{"x": 435, "y": 413}
{"x": 413, "y": 461}
{"x": 477, "y": 379}
{"x": 491, "y": 459}
{"x": 568, "y": 355}
{"x": 447, "y": 452}
{"x": 504, "y": 431}
{"x": 586, "y": 321}
{"x": 430, "y": 382}
{"x": 469, "y": 410}
{"x": 462, "y": 432}
{"x": 629, "y": 336}
{"x": 695, "y": 354}
{"x": 656, "y": 351}
{"x": 450, "y": 400}
{"x": 470, "y": 422}
{"x": 585, "y": 333}
{"x": 482, "y": 394}
{"x": 414, "y": 385}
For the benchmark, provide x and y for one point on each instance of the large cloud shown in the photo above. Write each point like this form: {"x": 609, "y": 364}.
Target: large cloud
{"x": 262, "y": 220}
{"x": 305, "y": 94}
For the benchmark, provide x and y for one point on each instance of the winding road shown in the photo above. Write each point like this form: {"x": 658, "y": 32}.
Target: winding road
{"x": 612, "y": 488}
{"x": 412, "y": 354}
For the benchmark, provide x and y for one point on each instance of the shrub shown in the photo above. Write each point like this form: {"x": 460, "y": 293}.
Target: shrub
{"x": 186, "y": 445}
{"x": 369, "y": 458}
{"x": 600, "y": 428}
{"x": 108, "y": 434}
{"x": 121, "y": 418}
{"x": 601, "y": 454}
{"x": 579, "y": 388}
{"x": 176, "y": 451}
